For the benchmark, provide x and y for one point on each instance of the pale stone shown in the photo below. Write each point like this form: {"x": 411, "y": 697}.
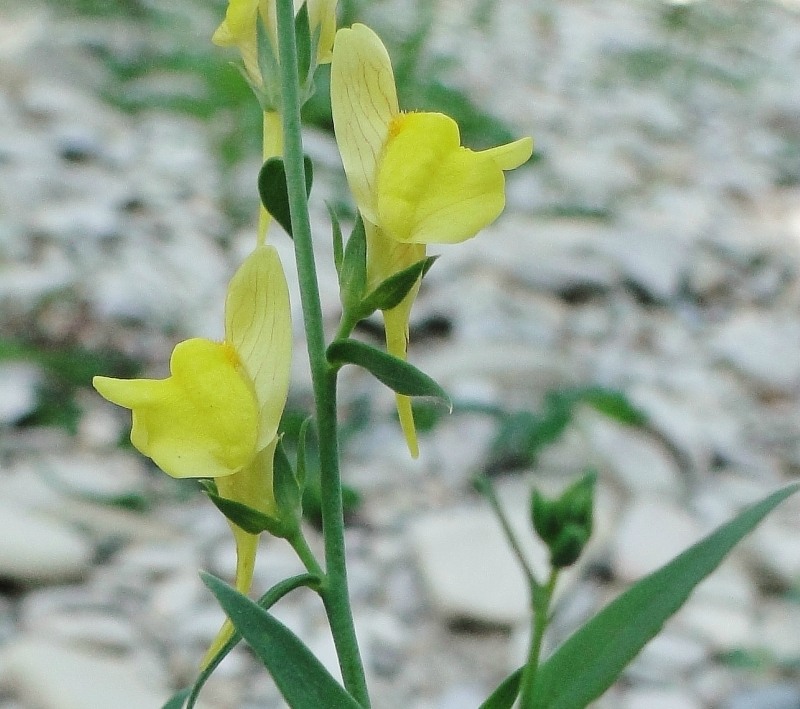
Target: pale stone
{"x": 469, "y": 568}
{"x": 35, "y": 549}
{"x": 654, "y": 698}
{"x": 668, "y": 655}
{"x": 776, "y": 630}
{"x": 652, "y": 532}
{"x": 774, "y": 696}
{"x": 762, "y": 345}
{"x": 18, "y": 384}
{"x": 49, "y": 675}
{"x": 775, "y": 553}
{"x": 507, "y": 363}
{"x": 635, "y": 459}
{"x": 723, "y": 628}
{"x": 728, "y": 585}
{"x": 89, "y": 629}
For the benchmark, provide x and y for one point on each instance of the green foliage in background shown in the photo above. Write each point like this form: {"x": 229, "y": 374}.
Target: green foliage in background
{"x": 66, "y": 369}
{"x": 176, "y": 70}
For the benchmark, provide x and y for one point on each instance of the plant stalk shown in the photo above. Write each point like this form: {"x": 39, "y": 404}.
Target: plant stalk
{"x": 541, "y": 599}
{"x": 334, "y": 591}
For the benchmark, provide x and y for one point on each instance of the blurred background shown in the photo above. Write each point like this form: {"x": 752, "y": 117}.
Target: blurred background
{"x": 636, "y": 310}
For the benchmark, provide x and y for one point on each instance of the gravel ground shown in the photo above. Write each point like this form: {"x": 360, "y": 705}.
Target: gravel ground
{"x": 653, "y": 248}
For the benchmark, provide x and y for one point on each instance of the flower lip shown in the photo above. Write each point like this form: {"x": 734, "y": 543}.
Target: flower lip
{"x": 222, "y": 402}
{"x": 408, "y": 172}
{"x": 201, "y": 421}
{"x": 363, "y": 104}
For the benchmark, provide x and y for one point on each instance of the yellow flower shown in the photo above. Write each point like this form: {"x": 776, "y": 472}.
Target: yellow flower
{"x": 412, "y": 180}
{"x": 223, "y": 401}
{"x": 238, "y": 29}
{"x": 217, "y": 414}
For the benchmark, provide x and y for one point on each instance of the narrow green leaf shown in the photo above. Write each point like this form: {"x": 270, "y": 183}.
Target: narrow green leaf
{"x": 177, "y": 700}
{"x": 285, "y": 487}
{"x": 589, "y": 662}
{"x": 613, "y": 404}
{"x": 506, "y": 693}
{"x": 249, "y": 519}
{"x": 353, "y": 273}
{"x": 392, "y": 291}
{"x": 302, "y": 33}
{"x": 301, "y": 454}
{"x": 513, "y": 446}
{"x": 269, "y": 599}
{"x": 268, "y": 93}
{"x": 301, "y": 678}
{"x": 397, "y": 374}
{"x": 336, "y": 236}
{"x": 273, "y": 191}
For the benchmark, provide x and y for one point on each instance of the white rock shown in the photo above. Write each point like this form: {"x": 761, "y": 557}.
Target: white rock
{"x": 652, "y": 532}
{"x": 468, "y": 566}
{"x": 774, "y": 696}
{"x": 668, "y": 655}
{"x": 511, "y": 364}
{"x": 90, "y": 629}
{"x": 639, "y": 462}
{"x": 18, "y": 384}
{"x": 763, "y": 345}
{"x": 660, "y": 699}
{"x": 48, "y": 675}
{"x": 25, "y": 284}
{"x": 108, "y": 523}
{"x": 75, "y": 220}
{"x": 728, "y": 586}
{"x": 87, "y": 475}
{"x": 35, "y": 549}
{"x": 460, "y": 696}
{"x": 722, "y": 628}
{"x": 654, "y": 262}
{"x": 776, "y": 631}
{"x": 774, "y": 552}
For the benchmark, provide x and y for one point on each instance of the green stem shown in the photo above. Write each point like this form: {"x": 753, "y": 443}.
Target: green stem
{"x": 334, "y": 592}
{"x": 485, "y": 486}
{"x": 303, "y": 551}
{"x": 541, "y": 599}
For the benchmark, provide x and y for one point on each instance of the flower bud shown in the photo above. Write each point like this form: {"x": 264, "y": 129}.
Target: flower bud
{"x": 565, "y": 523}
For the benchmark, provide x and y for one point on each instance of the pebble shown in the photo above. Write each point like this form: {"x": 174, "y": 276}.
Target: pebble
{"x": 468, "y": 567}
{"x": 668, "y": 656}
{"x": 633, "y": 458}
{"x": 651, "y": 533}
{"x": 776, "y": 696}
{"x": 762, "y": 346}
{"x": 49, "y": 675}
{"x": 659, "y": 699}
{"x": 35, "y": 549}
{"x": 19, "y": 382}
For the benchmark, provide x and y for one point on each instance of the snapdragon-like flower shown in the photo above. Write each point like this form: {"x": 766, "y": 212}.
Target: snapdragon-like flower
{"x": 217, "y": 414}
{"x": 239, "y": 29}
{"x": 412, "y": 180}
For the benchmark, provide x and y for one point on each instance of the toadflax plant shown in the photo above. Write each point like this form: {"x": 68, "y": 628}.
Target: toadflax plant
{"x": 216, "y": 417}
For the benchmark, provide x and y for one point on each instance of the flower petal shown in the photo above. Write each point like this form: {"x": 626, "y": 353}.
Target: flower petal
{"x": 201, "y": 421}
{"x": 251, "y": 486}
{"x": 238, "y": 29}
{"x": 258, "y": 326}
{"x": 322, "y": 16}
{"x": 363, "y": 102}
{"x": 511, "y": 155}
{"x": 386, "y": 256}
{"x": 432, "y": 190}
{"x": 396, "y": 324}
